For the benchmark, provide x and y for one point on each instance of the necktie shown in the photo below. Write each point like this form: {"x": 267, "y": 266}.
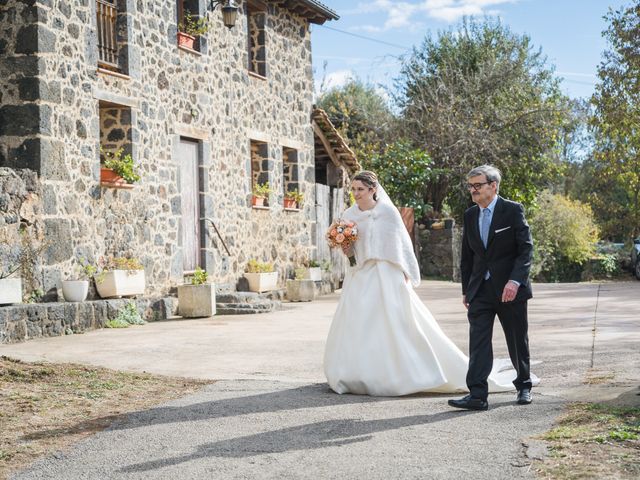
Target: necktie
{"x": 486, "y": 223}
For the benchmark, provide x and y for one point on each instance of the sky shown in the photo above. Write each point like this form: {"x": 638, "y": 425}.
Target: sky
{"x": 569, "y": 32}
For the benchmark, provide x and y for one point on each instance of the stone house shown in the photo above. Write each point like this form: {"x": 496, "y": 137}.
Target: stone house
{"x": 204, "y": 124}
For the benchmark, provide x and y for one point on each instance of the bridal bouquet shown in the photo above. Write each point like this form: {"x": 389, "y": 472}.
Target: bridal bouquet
{"x": 343, "y": 234}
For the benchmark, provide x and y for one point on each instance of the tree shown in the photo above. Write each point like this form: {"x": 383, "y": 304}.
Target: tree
{"x": 481, "y": 94}
{"x": 564, "y": 234}
{"x": 362, "y": 116}
{"x": 617, "y": 124}
{"x": 405, "y": 172}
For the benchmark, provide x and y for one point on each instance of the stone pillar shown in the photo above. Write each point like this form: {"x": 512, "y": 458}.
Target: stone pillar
{"x": 440, "y": 253}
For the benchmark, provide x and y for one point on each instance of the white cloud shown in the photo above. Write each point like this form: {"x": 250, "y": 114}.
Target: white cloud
{"x": 407, "y": 14}
{"x": 334, "y": 79}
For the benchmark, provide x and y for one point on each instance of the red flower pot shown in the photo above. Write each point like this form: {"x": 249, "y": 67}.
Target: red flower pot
{"x": 110, "y": 178}
{"x": 186, "y": 40}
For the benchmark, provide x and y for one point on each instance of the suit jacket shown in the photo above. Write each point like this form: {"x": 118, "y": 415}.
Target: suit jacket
{"x": 508, "y": 253}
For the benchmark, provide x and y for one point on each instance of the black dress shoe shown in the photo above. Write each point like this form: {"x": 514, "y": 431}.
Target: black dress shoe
{"x": 469, "y": 403}
{"x": 524, "y": 396}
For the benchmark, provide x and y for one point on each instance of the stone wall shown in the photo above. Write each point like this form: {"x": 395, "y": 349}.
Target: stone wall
{"x": 50, "y": 80}
{"x": 25, "y": 322}
{"x": 440, "y": 253}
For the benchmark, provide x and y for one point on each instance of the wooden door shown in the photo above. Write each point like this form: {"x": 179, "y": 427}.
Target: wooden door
{"x": 329, "y": 207}
{"x": 190, "y": 193}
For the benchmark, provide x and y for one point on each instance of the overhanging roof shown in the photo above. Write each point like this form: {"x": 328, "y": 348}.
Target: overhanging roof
{"x": 332, "y": 142}
{"x": 312, "y": 10}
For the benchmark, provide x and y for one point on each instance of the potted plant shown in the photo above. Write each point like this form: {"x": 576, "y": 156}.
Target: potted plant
{"x": 22, "y": 250}
{"x": 261, "y": 276}
{"x": 313, "y": 271}
{"x": 261, "y": 192}
{"x": 293, "y": 199}
{"x": 119, "y": 277}
{"x": 10, "y": 287}
{"x": 118, "y": 171}
{"x": 77, "y": 290}
{"x": 300, "y": 289}
{"x": 191, "y": 27}
{"x": 197, "y": 298}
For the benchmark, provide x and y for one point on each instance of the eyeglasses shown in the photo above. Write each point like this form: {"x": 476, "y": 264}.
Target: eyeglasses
{"x": 476, "y": 186}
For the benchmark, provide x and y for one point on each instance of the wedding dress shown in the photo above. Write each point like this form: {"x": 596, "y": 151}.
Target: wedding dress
{"x": 383, "y": 340}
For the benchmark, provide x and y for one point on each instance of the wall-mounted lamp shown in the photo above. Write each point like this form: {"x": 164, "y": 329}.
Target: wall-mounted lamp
{"x": 229, "y": 11}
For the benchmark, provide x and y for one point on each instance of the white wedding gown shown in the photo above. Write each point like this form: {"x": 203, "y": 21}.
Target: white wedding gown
{"x": 384, "y": 341}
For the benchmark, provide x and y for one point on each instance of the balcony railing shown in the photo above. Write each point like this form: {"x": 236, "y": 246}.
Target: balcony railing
{"x": 107, "y": 36}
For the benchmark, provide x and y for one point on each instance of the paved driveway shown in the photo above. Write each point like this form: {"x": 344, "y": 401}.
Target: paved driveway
{"x": 270, "y": 414}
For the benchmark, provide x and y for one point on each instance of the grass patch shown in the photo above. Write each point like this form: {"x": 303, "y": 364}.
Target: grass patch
{"x": 46, "y": 407}
{"x": 593, "y": 441}
{"x": 596, "y": 377}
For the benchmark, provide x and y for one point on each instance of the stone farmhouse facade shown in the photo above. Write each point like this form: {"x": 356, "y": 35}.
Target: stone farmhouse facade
{"x": 203, "y": 124}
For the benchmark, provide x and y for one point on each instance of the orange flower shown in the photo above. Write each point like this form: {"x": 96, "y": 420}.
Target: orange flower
{"x": 340, "y": 238}
{"x": 347, "y": 232}
{"x": 333, "y": 232}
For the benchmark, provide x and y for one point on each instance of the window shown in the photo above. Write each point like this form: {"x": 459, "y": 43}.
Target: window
{"x": 256, "y": 18}
{"x": 115, "y": 142}
{"x": 260, "y": 169}
{"x": 112, "y": 35}
{"x": 290, "y": 175}
{"x": 191, "y": 25}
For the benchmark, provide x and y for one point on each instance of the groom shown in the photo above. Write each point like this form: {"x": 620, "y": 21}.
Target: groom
{"x": 495, "y": 263}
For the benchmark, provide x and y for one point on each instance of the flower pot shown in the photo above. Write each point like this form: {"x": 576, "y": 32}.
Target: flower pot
{"x": 110, "y": 178}
{"x": 257, "y": 201}
{"x": 120, "y": 283}
{"x": 290, "y": 203}
{"x": 10, "y": 290}
{"x": 300, "y": 290}
{"x": 313, "y": 273}
{"x": 186, "y": 40}
{"x": 262, "y": 282}
{"x": 75, "y": 290}
{"x": 196, "y": 300}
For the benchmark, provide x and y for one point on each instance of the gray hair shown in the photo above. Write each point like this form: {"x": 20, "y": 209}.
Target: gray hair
{"x": 491, "y": 173}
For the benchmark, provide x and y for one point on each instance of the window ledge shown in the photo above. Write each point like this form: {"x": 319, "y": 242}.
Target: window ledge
{"x": 126, "y": 186}
{"x": 256, "y": 207}
{"x": 292, "y": 210}
{"x": 256, "y": 75}
{"x": 189, "y": 50}
{"x": 113, "y": 74}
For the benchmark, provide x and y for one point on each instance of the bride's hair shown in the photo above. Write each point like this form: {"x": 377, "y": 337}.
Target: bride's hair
{"x": 369, "y": 178}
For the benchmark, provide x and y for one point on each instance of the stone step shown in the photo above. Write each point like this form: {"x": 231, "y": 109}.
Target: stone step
{"x": 242, "y": 303}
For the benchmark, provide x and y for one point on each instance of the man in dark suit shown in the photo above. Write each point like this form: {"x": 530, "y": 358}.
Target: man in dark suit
{"x": 495, "y": 262}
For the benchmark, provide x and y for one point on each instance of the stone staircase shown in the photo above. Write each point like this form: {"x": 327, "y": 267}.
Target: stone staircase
{"x": 240, "y": 303}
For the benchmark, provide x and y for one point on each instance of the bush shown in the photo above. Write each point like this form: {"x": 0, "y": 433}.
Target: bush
{"x": 256, "y": 266}
{"x": 565, "y": 235}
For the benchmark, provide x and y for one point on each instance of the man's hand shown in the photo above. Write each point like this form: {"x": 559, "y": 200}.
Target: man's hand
{"x": 464, "y": 302}
{"x": 510, "y": 291}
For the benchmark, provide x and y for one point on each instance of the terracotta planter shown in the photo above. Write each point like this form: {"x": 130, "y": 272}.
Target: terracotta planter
{"x": 262, "y": 282}
{"x": 290, "y": 203}
{"x": 110, "y": 178}
{"x": 257, "y": 201}
{"x": 10, "y": 290}
{"x": 187, "y": 41}
{"x": 75, "y": 290}
{"x": 196, "y": 300}
{"x": 120, "y": 283}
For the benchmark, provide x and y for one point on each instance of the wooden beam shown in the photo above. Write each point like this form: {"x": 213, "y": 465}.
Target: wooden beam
{"x": 327, "y": 146}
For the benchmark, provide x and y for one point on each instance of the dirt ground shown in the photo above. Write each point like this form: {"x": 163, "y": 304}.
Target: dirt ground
{"x": 45, "y": 407}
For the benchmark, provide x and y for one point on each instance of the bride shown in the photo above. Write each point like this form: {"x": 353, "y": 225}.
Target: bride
{"x": 383, "y": 340}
